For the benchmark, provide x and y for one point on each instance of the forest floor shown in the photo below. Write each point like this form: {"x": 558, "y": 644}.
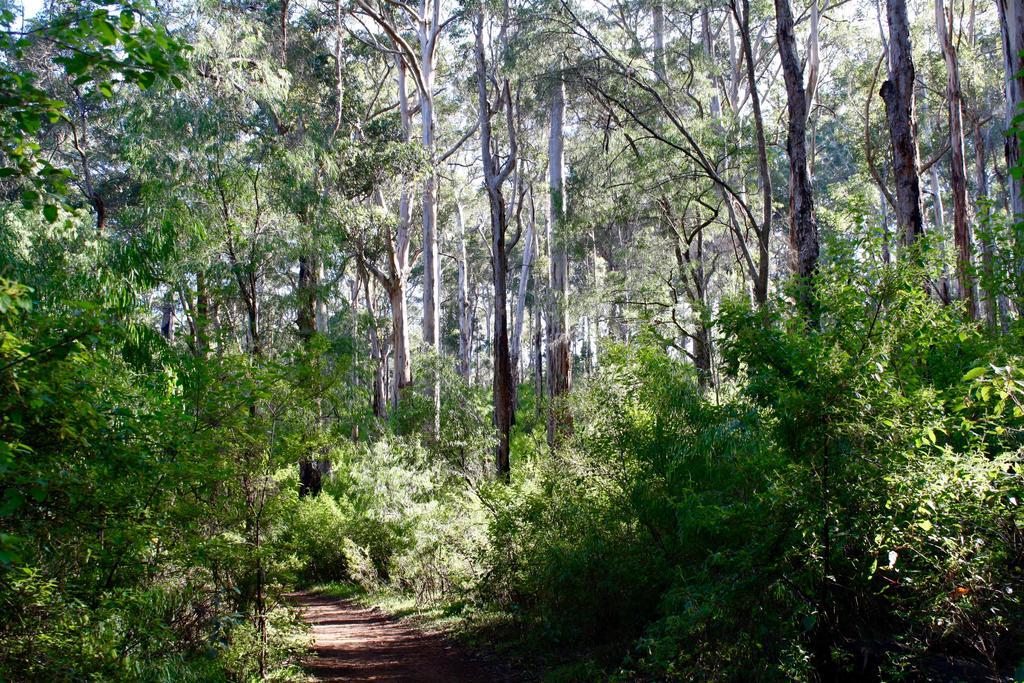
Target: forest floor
{"x": 353, "y": 642}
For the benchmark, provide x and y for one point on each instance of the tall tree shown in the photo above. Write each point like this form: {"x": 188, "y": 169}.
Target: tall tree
{"x": 496, "y": 171}
{"x": 898, "y": 94}
{"x": 957, "y": 162}
{"x": 559, "y": 352}
{"x": 803, "y": 227}
{"x": 1011, "y": 25}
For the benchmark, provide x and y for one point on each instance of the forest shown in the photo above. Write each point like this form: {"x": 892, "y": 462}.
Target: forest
{"x": 615, "y": 340}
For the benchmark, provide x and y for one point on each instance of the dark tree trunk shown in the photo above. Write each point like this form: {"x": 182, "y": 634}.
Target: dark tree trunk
{"x": 202, "y": 315}
{"x": 898, "y": 94}
{"x": 307, "y": 295}
{"x": 803, "y": 228}
{"x": 167, "y": 317}
{"x": 760, "y": 290}
{"x": 495, "y": 174}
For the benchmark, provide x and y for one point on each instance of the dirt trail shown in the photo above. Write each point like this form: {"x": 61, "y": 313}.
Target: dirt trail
{"x": 355, "y": 643}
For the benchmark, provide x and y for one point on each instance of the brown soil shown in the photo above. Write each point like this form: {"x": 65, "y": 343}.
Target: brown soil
{"x": 355, "y": 643}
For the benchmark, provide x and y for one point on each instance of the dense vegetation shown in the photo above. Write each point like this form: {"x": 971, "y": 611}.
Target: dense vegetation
{"x": 639, "y": 432}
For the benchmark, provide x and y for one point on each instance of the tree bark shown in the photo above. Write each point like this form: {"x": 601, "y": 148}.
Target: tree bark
{"x": 524, "y": 280}
{"x": 995, "y": 303}
{"x": 202, "y": 315}
{"x": 898, "y": 94}
{"x": 167, "y": 316}
{"x": 1011, "y": 25}
{"x": 760, "y": 290}
{"x": 962, "y": 237}
{"x": 559, "y": 351}
{"x": 495, "y": 174}
{"x": 378, "y": 401}
{"x": 429, "y": 13}
{"x": 658, "y": 19}
{"x": 307, "y": 296}
{"x": 803, "y": 228}
{"x": 465, "y": 310}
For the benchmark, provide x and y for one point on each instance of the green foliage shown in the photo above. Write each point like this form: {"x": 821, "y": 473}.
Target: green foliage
{"x": 99, "y": 45}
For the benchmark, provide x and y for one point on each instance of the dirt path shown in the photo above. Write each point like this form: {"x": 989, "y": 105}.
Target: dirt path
{"x": 355, "y": 643}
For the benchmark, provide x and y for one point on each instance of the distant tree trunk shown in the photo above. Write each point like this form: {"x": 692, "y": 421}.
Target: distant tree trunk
{"x": 559, "y": 352}
{"x": 995, "y": 303}
{"x": 658, "y": 18}
{"x": 760, "y": 290}
{"x": 962, "y": 237}
{"x": 202, "y": 315}
{"x": 399, "y": 342}
{"x": 1011, "y": 25}
{"x": 167, "y": 316}
{"x": 379, "y": 398}
{"x": 803, "y": 228}
{"x": 465, "y": 311}
{"x": 709, "y": 48}
{"x": 938, "y": 212}
{"x": 898, "y": 94}
{"x": 307, "y": 296}
{"x": 883, "y": 209}
{"x": 524, "y": 281}
{"x": 495, "y": 174}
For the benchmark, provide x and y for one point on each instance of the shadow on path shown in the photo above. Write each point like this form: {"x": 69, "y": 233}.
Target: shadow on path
{"x": 355, "y": 643}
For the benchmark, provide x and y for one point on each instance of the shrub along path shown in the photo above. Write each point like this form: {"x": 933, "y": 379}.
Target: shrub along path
{"x": 356, "y": 643}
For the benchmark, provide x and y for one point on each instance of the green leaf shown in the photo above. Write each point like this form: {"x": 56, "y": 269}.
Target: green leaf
{"x": 50, "y": 213}
{"x": 77, "y": 63}
{"x": 105, "y": 31}
{"x": 974, "y": 373}
{"x": 146, "y": 79}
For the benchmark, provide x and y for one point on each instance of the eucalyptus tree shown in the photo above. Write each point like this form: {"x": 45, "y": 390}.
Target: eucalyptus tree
{"x": 670, "y": 114}
{"x": 803, "y": 227}
{"x": 559, "y": 354}
{"x": 1011, "y": 26}
{"x": 962, "y": 234}
{"x": 496, "y": 170}
{"x": 898, "y": 93}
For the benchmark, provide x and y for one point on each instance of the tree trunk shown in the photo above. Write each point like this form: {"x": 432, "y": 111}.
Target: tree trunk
{"x": 658, "y": 19}
{"x": 995, "y": 303}
{"x": 307, "y": 296}
{"x": 898, "y": 94}
{"x": 883, "y": 209}
{"x": 399, "y": 266}
{"x": 431, "y": 261}
{"x": 962, "y": 237}
{"x": 803, "y": 228}
{"x": 167, "y": 316}
{"x": 428, "y": 32}
{"x": 465, "y": 311}
{"x": 495, "y": 174}
{"x": 1011, "y": 25}
{"x": 399, "y": 341}
{"x": 559, "y": 351}
{"x": 524, "y": 280}
{"x": 202, "y": 315}
{"x": 378, "y": 400}
{"x": 760, "y": 290}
